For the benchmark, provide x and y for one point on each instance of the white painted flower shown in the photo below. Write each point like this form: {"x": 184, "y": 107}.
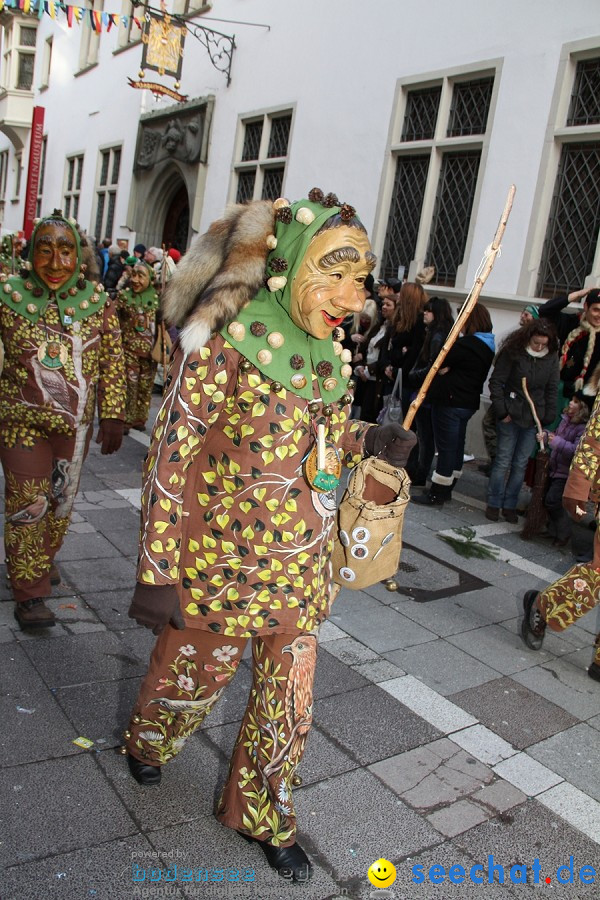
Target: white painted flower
{"x": 282, "y": 793}
{"x": 188, "y": 650}
{"x": 224, "y": 654}
{"x": 151, "y": 735}
{"x": 579, "y": 584}
{"x": 185, "y": 683}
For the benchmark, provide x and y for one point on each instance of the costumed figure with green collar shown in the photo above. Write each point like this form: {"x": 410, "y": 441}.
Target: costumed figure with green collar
{"x": 137, "y": 306}
{"x": 62, "y": 351}
{"x": 239, "y": 497}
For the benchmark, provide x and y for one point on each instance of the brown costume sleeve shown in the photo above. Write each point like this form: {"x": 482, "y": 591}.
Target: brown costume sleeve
{"x": 200, "y": 383}
{"x": 111, "y": 384}
{"x": 583, "y": 482}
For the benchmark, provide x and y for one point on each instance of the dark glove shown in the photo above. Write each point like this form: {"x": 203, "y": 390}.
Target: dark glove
{"x": 154, "y": 605}
{"x": 391, "y": 443}
{"x": 110, "y": 435}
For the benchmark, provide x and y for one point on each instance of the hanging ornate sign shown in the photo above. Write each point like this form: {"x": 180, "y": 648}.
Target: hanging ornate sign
{"x": 158, "y": 89}
{"x": 163, "y": 41}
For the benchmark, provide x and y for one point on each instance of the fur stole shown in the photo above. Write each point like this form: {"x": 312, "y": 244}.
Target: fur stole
{"x": 221, "y": 272}
{"x": 591, "y": 388}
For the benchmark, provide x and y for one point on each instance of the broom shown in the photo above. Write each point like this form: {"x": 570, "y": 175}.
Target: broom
{"x": 536, "y": 512}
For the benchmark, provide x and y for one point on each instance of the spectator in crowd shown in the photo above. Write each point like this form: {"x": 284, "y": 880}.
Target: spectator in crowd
{"x": 455, "y": 395}
{"x": 530, "y": 353}
{"x": 577, "y": 335}
{"x": 438, "y": 320}
{"x": 388, "y": 287}
{"x": 139, "y": 250}
{"x": 104, "y": 256}
{"x": 409, "y": 334}
{"x": 372, "y": 380}
{"x": 562, "y": 603}
{"x": 563, "y": 443}
{"x": 116, "y": 265}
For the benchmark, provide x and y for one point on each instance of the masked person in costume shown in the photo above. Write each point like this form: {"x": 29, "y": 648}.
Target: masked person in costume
{"x": 238, "y": 505}
{"x": 137, "y": 306}
{"x": 63, "y": 348}
{"x": 578, "y": 591}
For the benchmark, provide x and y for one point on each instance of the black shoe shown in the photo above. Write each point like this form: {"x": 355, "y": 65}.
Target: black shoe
{"x": 143, "y": 772}
{"x": 594, "y": 671}
{"x": 486, "y": 468}
{"x": 510, "y": 515}
{"x": 429, "y": 499}
{"x": 34, "y": 613}
{"x": 290, "y": 862}
{"x": 533, "y": 626}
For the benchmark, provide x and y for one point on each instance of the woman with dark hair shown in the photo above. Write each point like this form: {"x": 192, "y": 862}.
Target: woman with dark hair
{"x": 530, "y": 353}
{"x": 371, "y": 377}
{"x": 438, "y": 320}
{"x": 455, "y": 395}
{"x": 409, "y": 334}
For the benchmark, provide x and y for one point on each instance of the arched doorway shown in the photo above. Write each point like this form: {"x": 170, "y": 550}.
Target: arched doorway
{"x": 177, "y": 221}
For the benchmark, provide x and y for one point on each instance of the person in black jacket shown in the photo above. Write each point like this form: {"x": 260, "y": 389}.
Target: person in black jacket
{"x": 578, "y": 335}
{"x": 408, "y": 335}
{"x": 455, "y": 395}
{"x": 530, "y": 353}
{"x": 438, "y": 320}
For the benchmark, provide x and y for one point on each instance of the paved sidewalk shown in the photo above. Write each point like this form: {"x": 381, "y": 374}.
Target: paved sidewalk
{"x": 439, "y": 738}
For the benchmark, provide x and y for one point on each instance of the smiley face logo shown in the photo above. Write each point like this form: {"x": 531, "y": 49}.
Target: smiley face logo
{"x": 381, "y": 873}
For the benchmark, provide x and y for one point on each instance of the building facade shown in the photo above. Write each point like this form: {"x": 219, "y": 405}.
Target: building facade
{"x": 420, "y": 114}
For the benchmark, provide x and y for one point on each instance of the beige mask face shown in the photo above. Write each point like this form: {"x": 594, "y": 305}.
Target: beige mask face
{"x": 330, "y": 281}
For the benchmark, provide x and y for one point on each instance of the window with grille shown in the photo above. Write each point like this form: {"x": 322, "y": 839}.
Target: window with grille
{"x": 260, "y": 170}
{"x": 46, "y": 62}
{"x": 74, "y": 170}
{"x": 25, "y": 71}
{"x": 3, "y": 174}
{"x": 106, "y": 192}
{"x": 90, "y": 39}
{"x": 439, "y": 177}
{"x": 421, "y": 114}
{"x": 574, "y": 223}
{"x": 585, "y": 99}
{"x": 573, "y": 229}
{"x": 18, "y": 174}
{"x": 38, "y": 203}
{"x": 129, "y": 25}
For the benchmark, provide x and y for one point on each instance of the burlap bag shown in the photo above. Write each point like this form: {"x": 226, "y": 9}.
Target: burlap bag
{"x": 370, "y": 516}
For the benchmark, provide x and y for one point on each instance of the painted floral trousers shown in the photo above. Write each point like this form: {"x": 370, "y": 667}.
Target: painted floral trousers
{"x": 140, "y": 381}
{"x": 572, "y": 595}
{"x": 39, "y": 491}
{"x": 189, "y": 670}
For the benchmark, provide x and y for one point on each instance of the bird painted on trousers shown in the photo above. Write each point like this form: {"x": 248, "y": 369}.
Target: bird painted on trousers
{"x": 298, "y": 703}
{"x": 195, "y": 706}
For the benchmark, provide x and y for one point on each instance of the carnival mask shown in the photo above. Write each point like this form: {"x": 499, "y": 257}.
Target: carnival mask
{"x": 140, "y": 279}
{"x": 330, "y": 281}
{"x": 54, "y": 254}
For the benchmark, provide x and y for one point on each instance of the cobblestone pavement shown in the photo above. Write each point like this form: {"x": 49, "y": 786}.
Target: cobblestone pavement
{"x": 440, "y": 740}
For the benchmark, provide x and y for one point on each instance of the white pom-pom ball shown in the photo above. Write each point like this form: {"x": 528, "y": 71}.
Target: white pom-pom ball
{"x": 305, "y": 216}
{"x": 276, "y": 282}
{"x": 271, "y": 241}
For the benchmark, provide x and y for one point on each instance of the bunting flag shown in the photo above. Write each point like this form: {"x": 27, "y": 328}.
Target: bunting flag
{"x": 98, "y": 20}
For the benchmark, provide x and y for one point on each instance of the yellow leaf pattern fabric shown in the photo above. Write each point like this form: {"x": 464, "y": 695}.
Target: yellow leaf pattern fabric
{"x": 235, "y": 518}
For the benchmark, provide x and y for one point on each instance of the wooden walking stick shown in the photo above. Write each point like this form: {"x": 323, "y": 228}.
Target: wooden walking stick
{"x": 466, "y": 309}
{"x": 536, "y": 512}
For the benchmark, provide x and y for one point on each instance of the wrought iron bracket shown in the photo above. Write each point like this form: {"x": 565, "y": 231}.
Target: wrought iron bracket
{"x": 220, "y": 46}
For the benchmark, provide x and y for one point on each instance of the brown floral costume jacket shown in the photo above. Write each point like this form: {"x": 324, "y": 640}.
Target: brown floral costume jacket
{"x": 226, "y": 512}
{"x": 61, "y": 399}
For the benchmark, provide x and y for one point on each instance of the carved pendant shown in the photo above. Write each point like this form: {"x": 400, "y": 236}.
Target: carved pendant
{"x": 52, "y": 354}
{"x": 323, "y": 475}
